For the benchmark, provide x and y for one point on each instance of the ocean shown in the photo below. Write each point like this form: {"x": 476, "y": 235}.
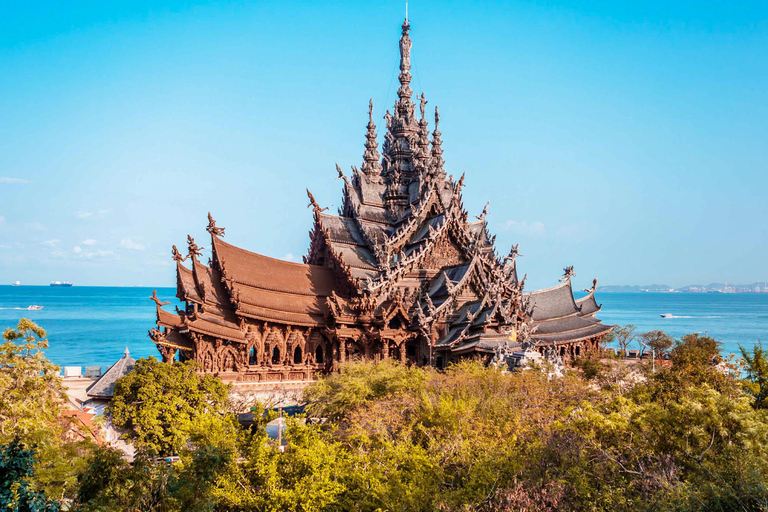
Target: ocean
{"x": 92, "y": 326}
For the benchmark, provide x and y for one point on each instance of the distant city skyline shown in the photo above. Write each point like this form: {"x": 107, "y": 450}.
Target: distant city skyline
{"x": 626, "y": 140}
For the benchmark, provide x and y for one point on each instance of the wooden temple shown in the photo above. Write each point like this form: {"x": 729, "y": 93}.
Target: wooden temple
{"x": 400, "y": 272}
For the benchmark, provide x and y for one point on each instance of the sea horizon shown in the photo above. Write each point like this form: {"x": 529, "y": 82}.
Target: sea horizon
{"x": 93, "y": 325}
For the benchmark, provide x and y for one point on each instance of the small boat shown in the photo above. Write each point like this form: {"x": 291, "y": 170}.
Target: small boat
{"x": 35, "y": 307}
{"x": 59, "y": 283}
{"x": 16, "y": 283}
{"x": 666, "y": 315}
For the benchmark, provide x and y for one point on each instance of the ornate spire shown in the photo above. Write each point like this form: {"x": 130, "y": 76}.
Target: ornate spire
{"x": 437, "y": 150}
{"x": 371, "y": 165}
{"x": 421, "y": 156}
{"x": 404, "y": 92}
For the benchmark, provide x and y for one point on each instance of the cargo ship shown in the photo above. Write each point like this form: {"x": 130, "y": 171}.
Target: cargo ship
{"x": 60, "y": 283}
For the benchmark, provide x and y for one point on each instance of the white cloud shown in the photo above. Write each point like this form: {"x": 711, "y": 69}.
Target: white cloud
{"x": 52, "y": 242}
{"x": 4, "y": 246}
{"x": 2, "y": 219}
{"x": 12, "y": 180}
{"x": 127, "y": 243}
{"x": 77, "y": 249}
{"x": 523, "y": 227}
{"x": 83, "y": 215}
{"x": 89, "y": 241}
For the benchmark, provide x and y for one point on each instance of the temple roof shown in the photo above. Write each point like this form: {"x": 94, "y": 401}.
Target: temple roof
{"x": 275, "y": 290}
{"x": 104, "y": 387}
{"x": 588, "y": 305}
{"x": 553, "y": 302}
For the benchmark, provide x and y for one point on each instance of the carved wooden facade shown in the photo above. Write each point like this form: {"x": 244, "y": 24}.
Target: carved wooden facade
{"x": 400, "y": 272}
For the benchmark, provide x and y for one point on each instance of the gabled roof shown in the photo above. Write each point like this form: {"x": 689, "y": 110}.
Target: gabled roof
{"x": 269, "y": 289}
{"x": 588, "y": 305}
{"x": 105, "y": 386}
{"x": 553, "y": 302}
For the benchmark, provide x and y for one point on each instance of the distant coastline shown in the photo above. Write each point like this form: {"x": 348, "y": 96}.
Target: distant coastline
{"x": 759, "y": 287}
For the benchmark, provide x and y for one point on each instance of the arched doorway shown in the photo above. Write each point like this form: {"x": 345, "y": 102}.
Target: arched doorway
{"x": 276, "y": 355}
{"x": 252, "y": 359}
{"x": 319, "y": 354}
{"x": 297, "y": 356}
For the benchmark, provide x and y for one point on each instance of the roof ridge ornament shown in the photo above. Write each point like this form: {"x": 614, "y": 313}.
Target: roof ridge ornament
{"x": 341, "y": 175}
{"x": 212, "y": 229}
{"x": 484, "y": 213}
{"x": 315, "y": 207}
{"x": 594, "y": 287}
{"x": 176, "y": 255}
{"x": 194, "y": 249}
{"x": 157, "y": 301}
{"x": 568, "y": 273}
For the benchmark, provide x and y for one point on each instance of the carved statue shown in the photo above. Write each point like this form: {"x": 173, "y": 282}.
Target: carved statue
{"x": 567, "y": 273}
{"x": 423, "y": 104}
{"x": 437, "y": 117}
{"x": 212, "y": 229}
{"x": 370, "y": 110}
{"x": 157, "y": 301}
{"x": 176, "y": 255}
{"x": 194, "y": 250}
{"x": 315, "y": 207}
{"x": 388, "y": 118}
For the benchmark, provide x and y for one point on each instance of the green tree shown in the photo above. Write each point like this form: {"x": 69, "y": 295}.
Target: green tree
{"x": 16, "y": 471}
{"x": 657, "y": 340}
{"x": 31, "y": 392}
{"x": 31, "y": 410}
{"x": 157, "y": 403}
{"x": 624, "y": 336}
{"x": 756, "y": 367}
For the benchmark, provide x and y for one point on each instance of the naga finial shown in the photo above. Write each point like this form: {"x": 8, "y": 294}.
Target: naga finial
{"x": 341, "y": 174}
{"x": 594, "y": 286}
{"x": 157, "y": 301}
{"x": 315, "y": 207}
{"x": 568, "y": 273}
{"x": 194, "y": 250}
{"x": 176, "y": 255}
{"x": 484, "y": 213}
{"x": 212, "y": 229}
{"x": 514, "y": 252}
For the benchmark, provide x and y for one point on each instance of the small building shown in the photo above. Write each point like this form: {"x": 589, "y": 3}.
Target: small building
{"x": 104, "y": 387}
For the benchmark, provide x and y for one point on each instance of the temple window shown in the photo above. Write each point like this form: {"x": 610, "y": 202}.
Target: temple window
{"x": 297, "y": 356}
{"x": 252, "y": 356}
{"x": 276, "y": 355}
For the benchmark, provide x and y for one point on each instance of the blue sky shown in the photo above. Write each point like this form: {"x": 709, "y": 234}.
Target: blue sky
{"x": 625, "y": 138}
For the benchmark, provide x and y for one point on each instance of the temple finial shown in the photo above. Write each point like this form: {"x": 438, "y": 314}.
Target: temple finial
{"x": 371, "y": 165}
{"x": 404, "y": 92}
{"x": 212, "y": 229}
